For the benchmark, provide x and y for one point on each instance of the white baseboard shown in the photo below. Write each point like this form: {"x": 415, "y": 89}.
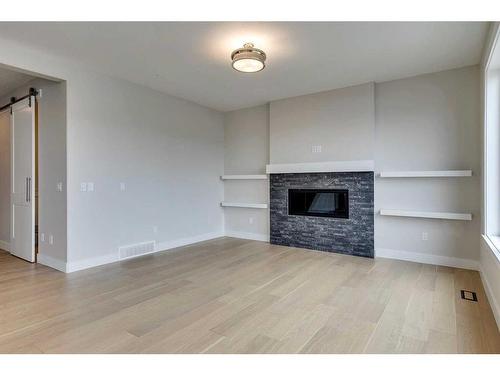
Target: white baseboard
{"x": 495, "y": 305}
{"x": 51, "y": 262}
{"x": 161, "y": 246}
{"x": 92, "y": 262}
{"x": 439, "y": 260}
{"x": 4, "y": 245}
{"x": 167, "y": 245}
{"x": 248, "y": 236}
{"x": 489, "y": 266}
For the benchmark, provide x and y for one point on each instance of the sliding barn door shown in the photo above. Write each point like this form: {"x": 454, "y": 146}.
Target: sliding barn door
{"x": 22, "y": 122}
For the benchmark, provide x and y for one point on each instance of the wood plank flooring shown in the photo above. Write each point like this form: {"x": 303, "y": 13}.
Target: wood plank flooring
{"x": 237, "y": 296}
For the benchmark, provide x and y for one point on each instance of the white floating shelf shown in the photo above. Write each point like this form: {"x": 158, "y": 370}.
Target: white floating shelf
{"x": 426, "y": 214}
{"x": 330, "y": 166}
{"x": 451, "y": 173}
{"x": 244, "y": 177}
{"x": 244, "y": 205}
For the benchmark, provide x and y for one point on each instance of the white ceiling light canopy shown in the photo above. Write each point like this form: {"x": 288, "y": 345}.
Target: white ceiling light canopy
{"x": 248, "y": 59}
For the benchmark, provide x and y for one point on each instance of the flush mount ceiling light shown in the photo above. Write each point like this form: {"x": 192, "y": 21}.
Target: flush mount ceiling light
{"x": 248, "y": 59}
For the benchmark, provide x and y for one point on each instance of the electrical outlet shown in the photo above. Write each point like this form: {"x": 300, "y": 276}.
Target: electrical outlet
{"x": 51, "y": 239}
{"x": 425, "y": 236}
{"x": 90, "y": 186}
{"x": 155, "y": 229}
{"x": 316, "y": 149}
{"x": 83, "y": 186}
{"x": 42, "y": 237}
{"x": 59, "y": 186}
{"x": 122, "y": 186}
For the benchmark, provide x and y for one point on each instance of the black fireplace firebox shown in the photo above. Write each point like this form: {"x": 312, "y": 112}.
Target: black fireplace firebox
{"x": 319, "y": 202}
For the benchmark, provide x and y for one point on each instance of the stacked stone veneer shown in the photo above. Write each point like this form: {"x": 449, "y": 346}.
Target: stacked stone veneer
{"x": 353, "y": 236}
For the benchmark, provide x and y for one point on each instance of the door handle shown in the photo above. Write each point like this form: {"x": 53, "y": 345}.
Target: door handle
{"x": 28, "y": 189}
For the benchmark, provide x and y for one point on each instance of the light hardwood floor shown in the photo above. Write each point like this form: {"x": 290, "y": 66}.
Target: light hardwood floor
{"x": 238, "y": 296}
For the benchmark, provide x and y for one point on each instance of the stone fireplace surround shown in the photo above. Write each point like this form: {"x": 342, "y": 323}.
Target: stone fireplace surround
{"x": 352, "y": 236}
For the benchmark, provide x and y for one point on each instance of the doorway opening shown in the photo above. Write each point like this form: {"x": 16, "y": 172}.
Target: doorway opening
{"x": 31, "y": 214}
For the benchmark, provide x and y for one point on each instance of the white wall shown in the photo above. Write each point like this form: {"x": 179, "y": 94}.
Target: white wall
{"x": 429, "y": 122}
{"x": 246, "y": 151}
{"x": 492, "y": 145}
{"x": 168, "y": 152}
{"x": 341, "y": 121}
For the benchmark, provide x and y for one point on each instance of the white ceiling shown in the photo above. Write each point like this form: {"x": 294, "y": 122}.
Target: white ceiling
{"x": 11, "y": 80}
{"x": 192, "y": 59}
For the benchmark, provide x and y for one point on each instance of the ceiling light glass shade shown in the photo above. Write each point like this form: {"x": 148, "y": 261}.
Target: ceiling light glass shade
{"x": 248, "y": 59}
{"x": 248, "y": 65}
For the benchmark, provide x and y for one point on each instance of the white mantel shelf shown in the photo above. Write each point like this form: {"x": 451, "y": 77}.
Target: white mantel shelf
{"x": 244, "y": 205}
{"x": 322, "y": 167}
{"x": 427, "y": 214}
{"x": 244, "y": 177}
{"x": 410, "y": 174}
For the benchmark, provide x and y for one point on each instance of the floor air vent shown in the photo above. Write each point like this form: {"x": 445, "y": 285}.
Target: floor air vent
{"x": 136, "y": 250}
{"x": 468, "y": 295}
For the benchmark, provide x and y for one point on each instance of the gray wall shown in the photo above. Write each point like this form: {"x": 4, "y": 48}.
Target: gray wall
{"x": 246, "y": 151}
{"x": 246, "y": 140}
{"x": 341, "y": 121}
{"x": 169, "y": 153}
{"x": 429, "y": 122}
{"x": 52, "y": 168}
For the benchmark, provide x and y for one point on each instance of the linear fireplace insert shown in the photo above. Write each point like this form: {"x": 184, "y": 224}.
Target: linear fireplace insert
{"x": 319, "y": 202}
